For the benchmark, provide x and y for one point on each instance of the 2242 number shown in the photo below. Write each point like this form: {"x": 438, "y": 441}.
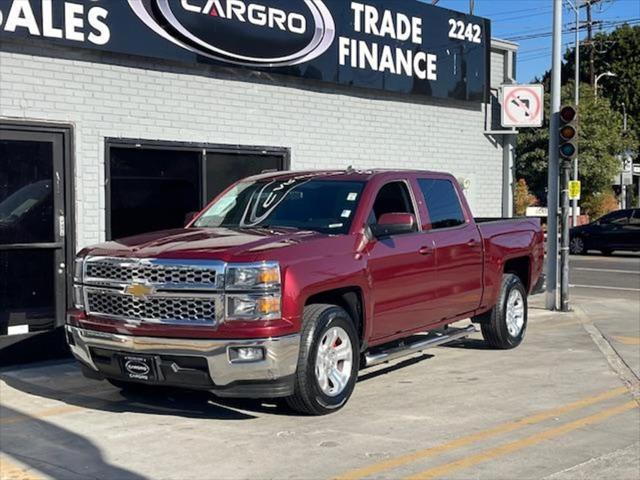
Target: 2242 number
{"x": 465, "y": 31}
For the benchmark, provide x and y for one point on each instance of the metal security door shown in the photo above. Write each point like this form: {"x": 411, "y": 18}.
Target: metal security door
{"x": 32, "y": 231}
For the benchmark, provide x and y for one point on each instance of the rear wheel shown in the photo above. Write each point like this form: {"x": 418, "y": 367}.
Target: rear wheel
{"x": 328, "y": 363}
{"x": 505, "y": 325}
{"x": 577, "y": 246}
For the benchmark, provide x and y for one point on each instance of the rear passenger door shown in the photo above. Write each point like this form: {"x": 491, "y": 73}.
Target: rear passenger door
{"x": 458, "y": 248}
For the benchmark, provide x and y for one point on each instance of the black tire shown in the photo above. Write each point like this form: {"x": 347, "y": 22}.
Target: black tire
{"x": 494, "y": 323}
{"x": 308, "y": 398}
{"x": 577, "y": 246}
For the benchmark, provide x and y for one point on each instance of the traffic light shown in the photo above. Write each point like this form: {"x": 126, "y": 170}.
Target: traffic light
{"x": 568, "y": 133}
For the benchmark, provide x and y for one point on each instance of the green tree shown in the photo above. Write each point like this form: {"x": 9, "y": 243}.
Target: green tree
{"x": 617, "y": 51}
{"x": 600, "y": 140}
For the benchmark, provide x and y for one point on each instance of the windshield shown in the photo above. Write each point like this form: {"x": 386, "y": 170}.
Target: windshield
{"x": 325, "y": 206}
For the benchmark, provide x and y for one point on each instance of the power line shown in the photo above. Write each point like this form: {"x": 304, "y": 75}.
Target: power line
{"x": 607, "y": 24}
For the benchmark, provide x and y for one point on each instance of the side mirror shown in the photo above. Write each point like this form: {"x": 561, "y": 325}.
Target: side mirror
{"x": 394, "y": 224}
{"x": 189, "y": 217}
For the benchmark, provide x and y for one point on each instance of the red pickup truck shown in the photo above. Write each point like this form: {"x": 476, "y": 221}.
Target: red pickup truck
{"x": 288, "y": 283}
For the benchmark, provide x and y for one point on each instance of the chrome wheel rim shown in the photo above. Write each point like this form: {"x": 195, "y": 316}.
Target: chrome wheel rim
{"x": 515, "y": 313}
{"x": 334, "y": 361}
{"x": 577, "y": 245}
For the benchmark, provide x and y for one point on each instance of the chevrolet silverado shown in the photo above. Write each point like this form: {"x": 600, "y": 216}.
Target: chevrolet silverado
{"x": 288, "y": 283}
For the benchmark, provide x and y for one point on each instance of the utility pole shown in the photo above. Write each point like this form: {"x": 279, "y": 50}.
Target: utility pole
{"x": 553, "y": 177}
{"x": 592, "y": 68}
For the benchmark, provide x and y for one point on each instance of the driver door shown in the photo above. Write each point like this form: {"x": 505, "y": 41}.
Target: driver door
{"x": 400, "y": 266}
{"x": 611, "y": 230}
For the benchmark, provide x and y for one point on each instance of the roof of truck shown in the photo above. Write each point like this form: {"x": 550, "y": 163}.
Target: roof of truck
{"x": 346, "y": 174}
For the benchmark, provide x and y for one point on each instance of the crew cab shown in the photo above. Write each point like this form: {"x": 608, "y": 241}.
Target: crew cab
{"x": 288, "y": 283}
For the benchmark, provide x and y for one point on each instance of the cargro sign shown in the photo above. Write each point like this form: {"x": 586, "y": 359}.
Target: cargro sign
{"x": 402, "y": 46}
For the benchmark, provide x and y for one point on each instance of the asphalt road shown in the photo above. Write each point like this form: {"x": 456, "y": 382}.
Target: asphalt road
{"x": 562, "y": 406}
{"x": 614, "y": 276}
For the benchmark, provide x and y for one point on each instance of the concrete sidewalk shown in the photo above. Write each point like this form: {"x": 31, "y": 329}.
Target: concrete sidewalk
{"x": 559, "y": 406}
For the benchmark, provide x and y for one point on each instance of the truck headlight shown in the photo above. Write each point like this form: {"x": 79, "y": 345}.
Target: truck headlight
{"x": 253, "y": 307}
{"x": 253, "y": 276}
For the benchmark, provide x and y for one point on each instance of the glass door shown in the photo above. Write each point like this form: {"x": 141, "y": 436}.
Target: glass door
{"x": 32, "y": 231}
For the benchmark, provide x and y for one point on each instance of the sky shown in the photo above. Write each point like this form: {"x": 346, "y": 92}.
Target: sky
{"x": 528, "y": 23}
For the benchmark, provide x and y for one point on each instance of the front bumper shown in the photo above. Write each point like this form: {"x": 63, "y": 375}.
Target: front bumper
{"x": 201, "y": 364}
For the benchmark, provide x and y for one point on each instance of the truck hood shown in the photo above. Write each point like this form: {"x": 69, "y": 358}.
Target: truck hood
{"x": 203, "y": 243}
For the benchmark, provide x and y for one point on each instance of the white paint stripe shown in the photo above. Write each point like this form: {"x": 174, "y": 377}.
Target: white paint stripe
{"x": 606, "y": 288}
{"x": 631, "y": 272}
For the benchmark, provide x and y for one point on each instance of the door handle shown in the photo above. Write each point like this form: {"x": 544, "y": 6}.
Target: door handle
{"x": 425, "y": 251}
{"x": 472, "y": 243}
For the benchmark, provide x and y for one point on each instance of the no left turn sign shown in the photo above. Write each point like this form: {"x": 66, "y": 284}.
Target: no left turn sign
{"x": 522, "y": 105}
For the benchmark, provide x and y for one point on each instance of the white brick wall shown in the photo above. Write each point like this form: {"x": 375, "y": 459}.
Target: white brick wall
{"x": 324, "y": 126}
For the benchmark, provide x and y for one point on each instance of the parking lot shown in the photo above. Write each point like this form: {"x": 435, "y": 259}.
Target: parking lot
{"x": 562, "y": 406}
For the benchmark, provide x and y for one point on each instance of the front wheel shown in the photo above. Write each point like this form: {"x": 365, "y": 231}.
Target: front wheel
{"x": 505, "y": 325}
{"x": 576, "y": 246}
{"x": 328, "y": 363}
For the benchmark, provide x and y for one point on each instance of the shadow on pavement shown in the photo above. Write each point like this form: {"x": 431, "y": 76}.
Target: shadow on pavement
{"x": 365, "y": 375}
{"x": 55, "y": 451}
{"x": 470, "y": 344}
{"x": 151, "y": 400}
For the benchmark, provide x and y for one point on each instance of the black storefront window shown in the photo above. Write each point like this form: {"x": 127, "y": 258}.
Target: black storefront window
{"x": 152, "y": 189}
{"x": 154, "y": 186}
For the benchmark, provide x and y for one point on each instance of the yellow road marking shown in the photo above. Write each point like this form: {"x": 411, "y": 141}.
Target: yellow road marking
{"x": 628, "y": 340}
{"x": 516, "y": 445}
{"x": 49, "y": 412}
{"x": 11, "y": 471}
{"x": 385, "y": 465}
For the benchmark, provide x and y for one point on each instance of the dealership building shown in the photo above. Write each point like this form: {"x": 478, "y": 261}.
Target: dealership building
{"x": 113, "y": 122}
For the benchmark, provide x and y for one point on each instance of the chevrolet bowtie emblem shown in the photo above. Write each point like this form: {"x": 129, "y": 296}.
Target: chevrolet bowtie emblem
{"x": 139, "y": 290}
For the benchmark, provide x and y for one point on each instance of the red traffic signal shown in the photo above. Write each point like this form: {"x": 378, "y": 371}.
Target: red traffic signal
{"x": 568, "y": 114}
{"x": 568, "y": 132}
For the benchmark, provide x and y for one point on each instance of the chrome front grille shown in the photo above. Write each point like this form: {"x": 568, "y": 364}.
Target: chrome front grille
{"x": 186, "y": 292}
{"x": 191, "y": 310}
{"x": 174, "y": 274}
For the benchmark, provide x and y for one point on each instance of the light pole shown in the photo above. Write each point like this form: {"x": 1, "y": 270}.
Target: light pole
{"x": 595, "y": 84}
{"x": 576, "y": 90}
{"x": 554, "y": 167}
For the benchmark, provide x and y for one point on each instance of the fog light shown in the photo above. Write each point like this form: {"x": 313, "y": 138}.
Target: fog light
{"x": 246, "y": 354}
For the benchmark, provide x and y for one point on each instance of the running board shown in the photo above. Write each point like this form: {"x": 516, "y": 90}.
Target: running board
{"x": 432, "y": 340}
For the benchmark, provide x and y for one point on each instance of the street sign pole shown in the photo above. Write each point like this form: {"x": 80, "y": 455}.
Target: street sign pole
{"x": 564, "y": 249}
{"x": 553, "y": 180}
